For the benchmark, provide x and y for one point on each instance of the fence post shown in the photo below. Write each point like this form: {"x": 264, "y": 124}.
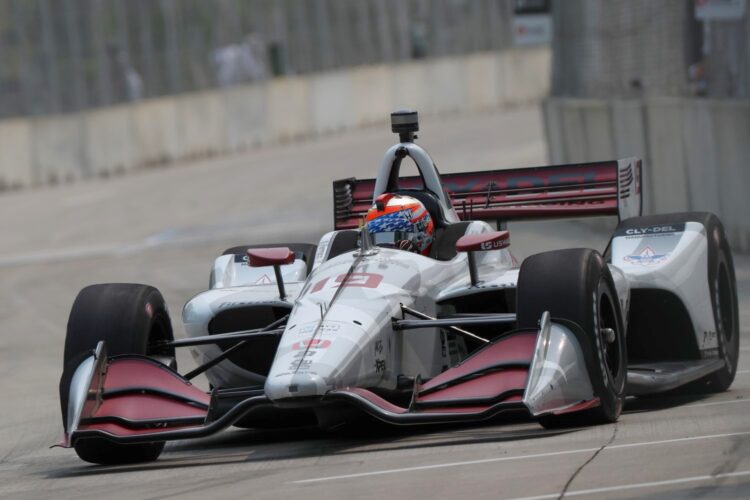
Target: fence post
{"x": 73, "y": 29}
{"x": 172, "y": 59}
{"x": 50, "y": 58}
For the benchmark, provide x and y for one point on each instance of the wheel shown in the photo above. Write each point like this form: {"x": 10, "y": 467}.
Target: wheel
{"x": 131, "y": 319}
{"x": 722, "y": 286}
{"x": 576, "y": 285}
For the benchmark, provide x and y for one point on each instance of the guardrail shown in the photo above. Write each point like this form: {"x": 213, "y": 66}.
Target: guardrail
{"x": 696, "y": 152}
{"x": 112, "y": 140}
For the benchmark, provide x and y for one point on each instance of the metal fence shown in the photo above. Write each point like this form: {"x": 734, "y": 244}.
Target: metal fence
{"x": 67, "y": 55}
{"x": 648, "y": 48}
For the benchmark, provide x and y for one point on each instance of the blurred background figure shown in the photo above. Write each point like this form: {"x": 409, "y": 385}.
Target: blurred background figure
{"x": 241, "y": 62}
{"x": 127, "y": 84}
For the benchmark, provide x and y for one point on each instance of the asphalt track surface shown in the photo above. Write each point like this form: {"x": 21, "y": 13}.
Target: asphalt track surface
{"x": 164, "y": 227}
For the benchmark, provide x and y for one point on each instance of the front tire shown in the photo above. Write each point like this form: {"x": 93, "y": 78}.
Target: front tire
{"x": 576, "y": 285}
{"x": 130, "y": 319}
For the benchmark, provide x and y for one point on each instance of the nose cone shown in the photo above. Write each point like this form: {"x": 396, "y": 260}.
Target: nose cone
{"x": 295, "y": 385}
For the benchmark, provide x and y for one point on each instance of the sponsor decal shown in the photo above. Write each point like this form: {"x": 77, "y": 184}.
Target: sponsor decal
{"x": 320, "y": 253}
{"x": 305, "y": 354}
{"x": 659, "y": 230}
{"x": 241, "y": 258}
{"x": 528, "y": 180}
{"x": 379, "y": 366}
{"x": 647, "y": 257}
{"x": 264, "y": 280}
{"x": 228, "y": 305}
{"x": 710, "y": 353}
{"x": 709, "y": 338}
{"x": 329, "y": 327}
{"x": 311, "y": 344}
{"x": 379, "y": 357}
{"x": 355, "y": 280}
{"x": 301, "y": 363}
{"x": 308, "y": 328}
{"x": 495, "y": 244}
{"x": 324, "y": 328}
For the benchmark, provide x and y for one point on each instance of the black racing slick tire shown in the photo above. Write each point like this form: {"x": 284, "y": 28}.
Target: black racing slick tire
{"x": 130, "y": 319}
{"x": 576, "y": 285}
{"x": 722, "y": 286}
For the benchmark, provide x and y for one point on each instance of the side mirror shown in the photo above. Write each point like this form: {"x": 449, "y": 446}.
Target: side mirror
{"x": 260, "y": 257}
{"x": 276, "y": 257}
{"x": 482, "y": 242}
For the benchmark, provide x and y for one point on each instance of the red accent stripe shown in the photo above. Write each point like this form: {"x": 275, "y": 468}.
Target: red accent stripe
{"x": 484, "y": 387}
{"x": 583, "y": 405}
{"x": 143, "y": 373}
{"x": 518, "y": 347}
{"x": 133, "y": 372}
{"x": 146, "y": 406}
{"x": 375, "y": 399}
{"x": 455, "y": 409}
{"x": 119, "y": 430}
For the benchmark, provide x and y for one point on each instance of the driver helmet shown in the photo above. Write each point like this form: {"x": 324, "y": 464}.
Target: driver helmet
{"x": 400, "y": 222}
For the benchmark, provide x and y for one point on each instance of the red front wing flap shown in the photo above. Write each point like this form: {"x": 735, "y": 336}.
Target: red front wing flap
{"x": 490, "y": 382}
{"x": 133, "y": 396}
{"x": 136, "y": 399}
{"x": 539, "y": 372}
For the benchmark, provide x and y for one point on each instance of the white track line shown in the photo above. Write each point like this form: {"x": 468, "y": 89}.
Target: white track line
{"x": 696, "y": 405}
{"x": 520, "y": 457}
{"x": 651, "y": 484}
{"x": 715, "y": 403}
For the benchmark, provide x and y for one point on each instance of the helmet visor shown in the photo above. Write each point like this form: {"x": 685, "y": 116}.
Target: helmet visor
{"x": 390, "y": 238}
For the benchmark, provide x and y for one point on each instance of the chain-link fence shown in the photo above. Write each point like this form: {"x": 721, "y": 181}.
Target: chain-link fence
{"x": 725, "y": 65}
{"x": 68, "y": 55}
{"x": 648, "y": 48}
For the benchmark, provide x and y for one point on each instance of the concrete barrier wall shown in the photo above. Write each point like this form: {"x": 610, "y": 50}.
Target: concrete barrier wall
{"x": 696, "y": 152}
{"x": 16, "y": 165}
{"x": 118, "y": 139}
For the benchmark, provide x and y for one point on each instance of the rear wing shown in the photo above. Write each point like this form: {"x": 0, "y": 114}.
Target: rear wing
{"x": 575, "y": 190}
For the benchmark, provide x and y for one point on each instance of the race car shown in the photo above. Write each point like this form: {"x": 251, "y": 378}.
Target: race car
{"x": 413, "y": 310}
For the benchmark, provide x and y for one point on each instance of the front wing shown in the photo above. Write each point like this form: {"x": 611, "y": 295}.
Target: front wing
{"x": 135, "y": 399}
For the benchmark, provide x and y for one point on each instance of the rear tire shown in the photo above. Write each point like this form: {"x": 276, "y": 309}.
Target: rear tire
{"x": 576, "y": 285}
{"x": 130, "y": 319}
{"x": 722, "y": 285}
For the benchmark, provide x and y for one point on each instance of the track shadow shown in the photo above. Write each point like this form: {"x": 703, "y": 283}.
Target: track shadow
{"x": 664, "y": 401}
{"x": 242, "y": 446}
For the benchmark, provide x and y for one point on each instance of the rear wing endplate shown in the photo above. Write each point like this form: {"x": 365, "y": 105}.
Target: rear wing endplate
{"x": 575, "y": 190}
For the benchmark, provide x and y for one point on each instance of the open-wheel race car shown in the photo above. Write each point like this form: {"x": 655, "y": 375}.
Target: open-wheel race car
{"x": 414, "y": 311}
